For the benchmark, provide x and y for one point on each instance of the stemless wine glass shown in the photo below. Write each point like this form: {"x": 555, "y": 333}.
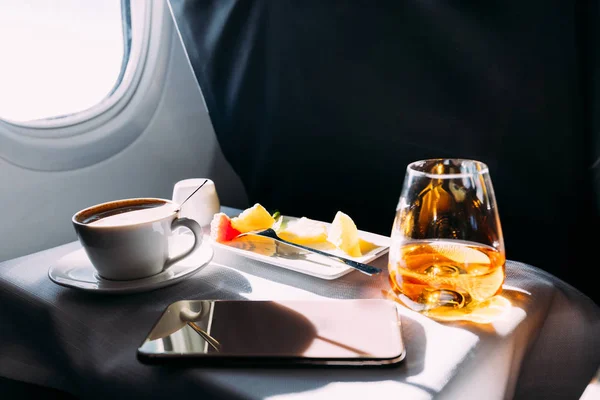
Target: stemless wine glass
{"x": 447, "y": 249}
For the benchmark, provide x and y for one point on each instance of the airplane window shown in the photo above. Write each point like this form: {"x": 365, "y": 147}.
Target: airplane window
{"x": 60, "y": 57}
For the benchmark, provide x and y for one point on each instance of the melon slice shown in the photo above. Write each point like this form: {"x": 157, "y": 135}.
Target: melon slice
{"x": 304, "y": 231}
{"x": 221, "y": 229}
{"x": 252, "y": 219}
{"x": 344, "y": 235}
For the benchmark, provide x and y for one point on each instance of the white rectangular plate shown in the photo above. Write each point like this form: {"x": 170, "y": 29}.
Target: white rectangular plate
{"x": 279, "y": 254}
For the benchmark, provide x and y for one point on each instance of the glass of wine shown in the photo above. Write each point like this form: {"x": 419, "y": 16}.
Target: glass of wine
{"x": 447, "y": 249}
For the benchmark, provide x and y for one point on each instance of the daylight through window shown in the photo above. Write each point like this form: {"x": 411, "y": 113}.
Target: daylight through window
{"x": 60, "y": 57}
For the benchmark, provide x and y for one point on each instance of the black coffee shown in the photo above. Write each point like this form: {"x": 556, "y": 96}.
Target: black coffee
{"x": 126, "y": 212}
{"x": 117, "y": 211}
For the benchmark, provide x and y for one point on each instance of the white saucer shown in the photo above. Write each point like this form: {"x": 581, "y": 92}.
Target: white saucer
{"x": 76, "y": 271}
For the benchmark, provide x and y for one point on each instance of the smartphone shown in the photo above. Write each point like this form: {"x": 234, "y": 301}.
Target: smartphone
{"x": 357, "y": 332}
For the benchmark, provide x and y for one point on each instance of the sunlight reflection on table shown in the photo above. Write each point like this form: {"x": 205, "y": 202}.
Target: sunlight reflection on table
{"x": 502, "y": 308}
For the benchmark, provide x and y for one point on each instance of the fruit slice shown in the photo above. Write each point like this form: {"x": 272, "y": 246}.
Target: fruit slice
{"x": 366, "y": 246}
{"x": 344, "y": 235}
{"x": 252, "y": 219}
{"x": 304, "y": 231}
{"x": 221, "y": 229}
{"x": 257, "y": 244}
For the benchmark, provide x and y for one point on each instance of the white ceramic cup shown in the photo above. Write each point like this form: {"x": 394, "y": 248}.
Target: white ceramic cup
{"x": 203, "y": 205}
{"x": 136, "y": 245}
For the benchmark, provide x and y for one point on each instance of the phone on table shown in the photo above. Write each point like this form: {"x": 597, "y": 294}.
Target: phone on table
{"x": 337, "y": 332}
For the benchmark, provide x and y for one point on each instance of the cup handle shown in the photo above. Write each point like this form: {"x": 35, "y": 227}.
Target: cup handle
{"x": 196, "y": 230}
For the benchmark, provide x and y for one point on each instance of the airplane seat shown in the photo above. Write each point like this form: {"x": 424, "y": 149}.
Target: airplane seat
{"x": 319, "y": 106}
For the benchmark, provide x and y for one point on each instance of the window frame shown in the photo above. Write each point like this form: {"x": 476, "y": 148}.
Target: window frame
{"x": 135, "y": 25}
{"x": 91, "y": 136}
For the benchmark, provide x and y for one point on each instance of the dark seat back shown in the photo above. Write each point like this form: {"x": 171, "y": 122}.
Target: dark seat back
{"x": 320, "y": 105}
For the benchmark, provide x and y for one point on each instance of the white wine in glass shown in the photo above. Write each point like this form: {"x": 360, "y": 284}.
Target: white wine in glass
{"x": 447, "y": 249}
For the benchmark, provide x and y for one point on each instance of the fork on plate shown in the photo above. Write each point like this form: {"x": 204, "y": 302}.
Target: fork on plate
{"x": 364, "y": 268}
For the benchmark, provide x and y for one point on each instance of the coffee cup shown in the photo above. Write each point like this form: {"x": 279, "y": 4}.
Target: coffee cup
{"x": 132, "y": 238}
{"x": 203, "y": 205}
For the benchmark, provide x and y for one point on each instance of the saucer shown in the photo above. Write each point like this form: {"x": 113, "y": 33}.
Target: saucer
{"x": 75, "y": 270}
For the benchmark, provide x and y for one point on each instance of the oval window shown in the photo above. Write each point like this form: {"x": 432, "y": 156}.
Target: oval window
{"x": 60, "y": 57}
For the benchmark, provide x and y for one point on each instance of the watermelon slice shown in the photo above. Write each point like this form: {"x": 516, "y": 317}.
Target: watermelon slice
{"x": 221, "y": 229}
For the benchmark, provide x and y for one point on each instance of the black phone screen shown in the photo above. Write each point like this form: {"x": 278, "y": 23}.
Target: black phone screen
{"x": 229, "y": 332}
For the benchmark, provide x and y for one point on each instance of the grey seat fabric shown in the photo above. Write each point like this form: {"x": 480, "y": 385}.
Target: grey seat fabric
{"x": 320, "y": 105}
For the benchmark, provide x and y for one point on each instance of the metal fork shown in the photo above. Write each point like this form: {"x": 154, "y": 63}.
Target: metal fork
{"x": 364, "y": 268}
